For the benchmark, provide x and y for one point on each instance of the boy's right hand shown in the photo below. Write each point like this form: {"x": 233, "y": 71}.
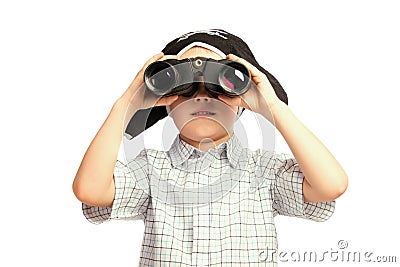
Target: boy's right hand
{"x": 136, "y": 94}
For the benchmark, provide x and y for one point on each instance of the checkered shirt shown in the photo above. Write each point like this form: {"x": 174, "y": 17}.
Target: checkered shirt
{"x": 213, "y": 208}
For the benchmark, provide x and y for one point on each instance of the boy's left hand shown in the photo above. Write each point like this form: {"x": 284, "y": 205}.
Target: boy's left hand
{"x": 260, "y": 99}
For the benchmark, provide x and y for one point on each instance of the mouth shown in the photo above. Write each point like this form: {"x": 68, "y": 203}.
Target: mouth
{"x": 203, "y": 113}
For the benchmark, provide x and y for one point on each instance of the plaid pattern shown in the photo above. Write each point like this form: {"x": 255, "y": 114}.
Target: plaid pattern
{"x": 229, "y": 223}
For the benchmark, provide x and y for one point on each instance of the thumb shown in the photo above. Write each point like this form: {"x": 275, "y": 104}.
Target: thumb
{"x": 167, "y": 100}
{"x": 231, "y": 101}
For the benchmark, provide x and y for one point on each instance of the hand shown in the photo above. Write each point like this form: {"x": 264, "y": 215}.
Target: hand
{"x": 260, "y": 98}
{"x": 137, "y": 94}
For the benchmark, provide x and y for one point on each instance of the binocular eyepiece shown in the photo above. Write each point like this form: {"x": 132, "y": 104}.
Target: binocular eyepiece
{"x": 181, "y": 77}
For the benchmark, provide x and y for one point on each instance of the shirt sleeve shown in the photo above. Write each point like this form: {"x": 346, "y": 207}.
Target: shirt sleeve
{"x": 288, "y": 196}
{"x": 131, "y": 193}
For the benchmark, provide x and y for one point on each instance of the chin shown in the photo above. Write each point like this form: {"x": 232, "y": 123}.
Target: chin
{"x": 199, "y": 130}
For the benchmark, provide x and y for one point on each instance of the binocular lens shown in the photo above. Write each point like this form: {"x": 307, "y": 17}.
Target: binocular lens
{"x": 234, "y": 78}
{"x": 161, "y": 76}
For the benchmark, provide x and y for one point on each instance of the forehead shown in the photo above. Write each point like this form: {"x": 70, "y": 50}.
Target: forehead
{"x": 198, "y": 51}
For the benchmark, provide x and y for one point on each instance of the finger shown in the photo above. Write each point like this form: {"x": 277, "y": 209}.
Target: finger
{"x": 231, "y": 101}
{"x": 254, "y": 72}
{"x": 157, "y": 57}
{"x": 139, "y": 75}
{"x": 136, "y": 84}
{"x": 236, "y": 101}
{"x": 153, "y": 59}
{"x": 169, "y": 57}
{"x": 244, "y": 62}
{"x": 166, "y": 100}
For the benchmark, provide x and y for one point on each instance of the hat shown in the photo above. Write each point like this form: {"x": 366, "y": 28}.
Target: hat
{"x": 219, "y": 41}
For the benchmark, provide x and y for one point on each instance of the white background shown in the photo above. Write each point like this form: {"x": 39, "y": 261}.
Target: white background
{"x": 64, "y": 63}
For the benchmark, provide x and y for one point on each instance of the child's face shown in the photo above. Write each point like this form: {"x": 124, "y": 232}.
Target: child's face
{"x": 217, "y": 126}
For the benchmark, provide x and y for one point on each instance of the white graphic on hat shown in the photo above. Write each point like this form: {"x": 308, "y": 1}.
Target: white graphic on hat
{"x": 210, "y": 32}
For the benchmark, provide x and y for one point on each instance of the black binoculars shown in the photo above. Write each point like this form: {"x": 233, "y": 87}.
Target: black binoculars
{"x": 181, "y": 77}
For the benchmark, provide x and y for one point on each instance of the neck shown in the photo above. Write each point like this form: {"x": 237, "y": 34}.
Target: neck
{"x": 206, "y": 143}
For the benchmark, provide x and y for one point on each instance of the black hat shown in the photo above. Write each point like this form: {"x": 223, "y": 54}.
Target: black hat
{"x": 223, "y": 42}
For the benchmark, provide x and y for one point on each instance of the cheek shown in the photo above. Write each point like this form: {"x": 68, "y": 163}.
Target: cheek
{"x": 177, "y": 102}
{"x": 171, "y": 107}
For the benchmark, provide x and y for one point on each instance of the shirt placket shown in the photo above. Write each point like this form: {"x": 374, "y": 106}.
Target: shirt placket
{"x": 201, "y": 236}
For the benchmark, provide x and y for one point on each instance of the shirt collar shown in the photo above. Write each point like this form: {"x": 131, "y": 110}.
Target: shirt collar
{"x": 180, "y": 151}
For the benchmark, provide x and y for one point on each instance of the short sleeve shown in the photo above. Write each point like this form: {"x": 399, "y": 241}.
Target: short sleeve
{"x": 131, "y": 197}
{"x": 288, "y": 196}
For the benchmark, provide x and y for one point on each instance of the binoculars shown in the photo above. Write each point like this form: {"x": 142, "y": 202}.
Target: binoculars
{"x": 182, "y": 77}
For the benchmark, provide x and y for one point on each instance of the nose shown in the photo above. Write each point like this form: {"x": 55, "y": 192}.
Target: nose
{"x": 202, "y": 94}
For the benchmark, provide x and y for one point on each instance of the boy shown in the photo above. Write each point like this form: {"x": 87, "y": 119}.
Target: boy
{"x": 216, "y": 226}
